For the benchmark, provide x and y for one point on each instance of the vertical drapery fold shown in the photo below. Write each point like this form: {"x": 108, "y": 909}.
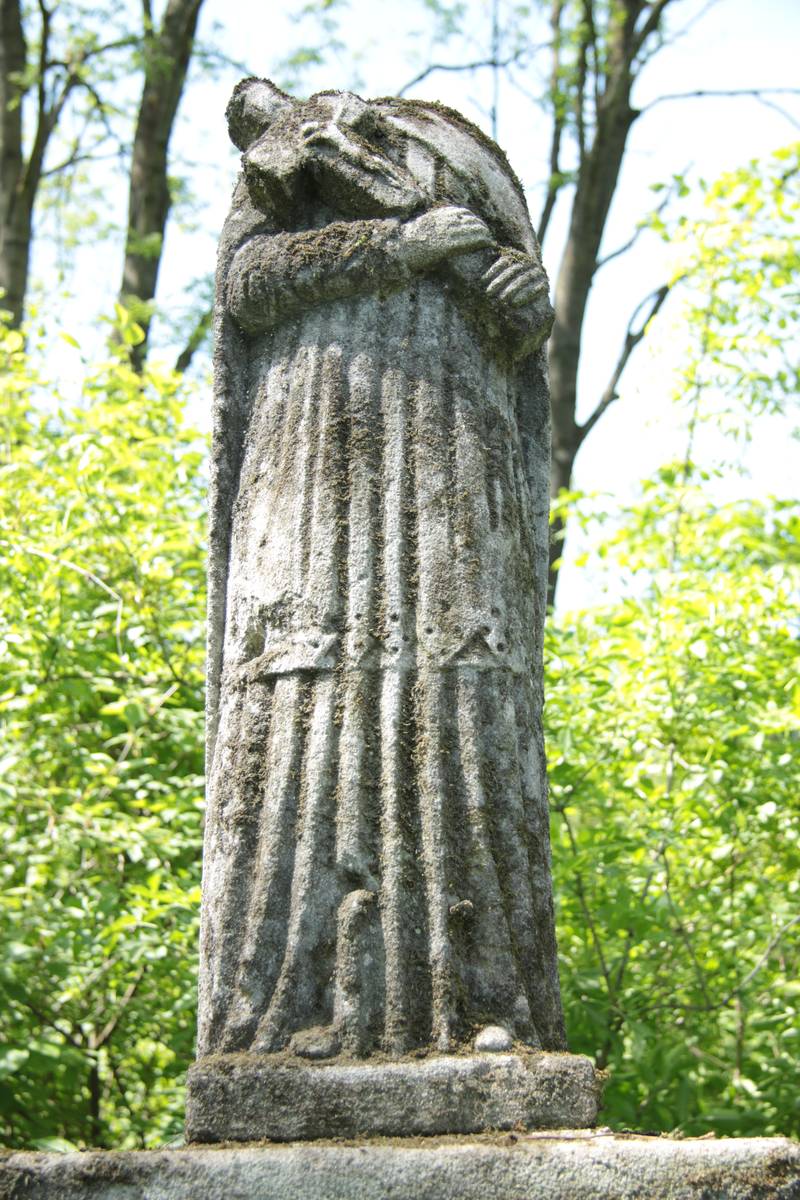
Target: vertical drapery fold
{"x": 377, "y": 801}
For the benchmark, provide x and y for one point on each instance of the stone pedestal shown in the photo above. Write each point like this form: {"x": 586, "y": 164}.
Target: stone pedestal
{"x": 582, "y": 1165}
{"x": 247, "y": 1097}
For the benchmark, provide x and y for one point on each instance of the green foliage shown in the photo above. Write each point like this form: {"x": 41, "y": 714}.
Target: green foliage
{"x": 673, "y": 721}
{"x": 102, "y": 580}
{"x": 740, "y": 263}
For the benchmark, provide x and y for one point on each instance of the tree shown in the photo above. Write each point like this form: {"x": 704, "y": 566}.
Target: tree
{"x": 57, "y": 67}
{"x": 673, "y": 789}
{"x": 598, "y": 52}
{"x": 67, "y": 65}
{"x": 167, "y": 51}
{"x": 102, "y": 577}
{"x": 596, "y": 63}
{"x": 672, "y": 721}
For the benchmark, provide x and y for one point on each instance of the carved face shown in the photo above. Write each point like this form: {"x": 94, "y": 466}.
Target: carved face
{"x": 331, "y": 145}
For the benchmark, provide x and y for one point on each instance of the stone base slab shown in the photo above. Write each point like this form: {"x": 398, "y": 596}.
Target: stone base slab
{"x": 583, "y": 1165}
{"x": 250, "y": 1097}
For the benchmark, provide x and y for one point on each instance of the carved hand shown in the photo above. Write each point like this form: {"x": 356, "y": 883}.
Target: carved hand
{"x": 442, "y": 233}
{"x": 515, "y": 279}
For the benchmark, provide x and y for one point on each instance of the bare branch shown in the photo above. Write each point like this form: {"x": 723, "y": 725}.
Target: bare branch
{"x": 101, "y": 110}
{"x": 677, "y": 34}
{"x": 77, "y": 156}
{"x": 632, "y": 338}
{"x": 100, "y": 1039}
{"x": 703, "y": 93}
{"x": 72, "y": 1035}
{"x": 494, "y": 63}
{"x": 625, "y": 247}
{"x": 735, "y": 992}
{"x": 40, "y": 138}
{"x": 587, "y": 915}
{"x": 588, "y": 16}
{"x": 496, "y": 67}
{"x": 779, "y": 109}
{"x": 650, "y": 25}
{"x": 93, "y": 51}
{"x": 640, "y": 228}
{"x": 580, "y": 95}
{"x": 44, "y": 46}
{"x": 194, "y": 341}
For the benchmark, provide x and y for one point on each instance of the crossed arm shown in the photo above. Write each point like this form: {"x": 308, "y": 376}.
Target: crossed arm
{"x": 275, "y": 276}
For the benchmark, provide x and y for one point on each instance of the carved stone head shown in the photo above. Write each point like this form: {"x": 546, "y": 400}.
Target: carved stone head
{"x": 371, "y": 158}
{"x": 330, "y": 144}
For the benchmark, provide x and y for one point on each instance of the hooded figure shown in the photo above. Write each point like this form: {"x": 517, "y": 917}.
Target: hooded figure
{"x": 377, "y": 863}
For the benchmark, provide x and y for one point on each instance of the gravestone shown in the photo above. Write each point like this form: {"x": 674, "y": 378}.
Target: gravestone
{"x": 377, "y": 950}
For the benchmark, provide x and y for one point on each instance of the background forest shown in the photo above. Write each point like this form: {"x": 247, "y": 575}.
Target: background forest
{"x": 673, "y": 694}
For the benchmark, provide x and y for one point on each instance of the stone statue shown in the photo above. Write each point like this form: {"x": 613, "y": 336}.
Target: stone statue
{"x": 377, "y": 867}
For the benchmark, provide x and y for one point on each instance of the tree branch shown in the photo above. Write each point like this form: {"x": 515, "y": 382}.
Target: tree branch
{"x": 580, "y": 95}
{"x": 147, "y": 17}
{"x": 93, "y": 51}
{"x": 682, "y": 930}
{"x": 75, "y": 157}
{"x": 632, "y": 339}
{"x": 587, "y": 915}
{"x": 124, "y": 1096}
{"x": 650, "y": 25}
{"x": 702, "y": 93}
{"x": 100, "y": 1039}
{"x": 33, "y": 167}
{"x": 73, "y": 1036}
{"x": 71, "y": 566}
{"x": 495, "y": 63}
{"x": 554, "y": 182}
{"x": 588, "y": 16}
{"x": 640, "y": 228}
{"x": 737, "y": 990}
{"x": 194, "y": 341}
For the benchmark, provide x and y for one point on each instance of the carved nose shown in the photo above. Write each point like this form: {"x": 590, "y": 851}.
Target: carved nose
{"x": 309, "y": 129}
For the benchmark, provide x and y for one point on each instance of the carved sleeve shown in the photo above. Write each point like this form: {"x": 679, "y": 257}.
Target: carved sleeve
{"x": 274, "y": 276}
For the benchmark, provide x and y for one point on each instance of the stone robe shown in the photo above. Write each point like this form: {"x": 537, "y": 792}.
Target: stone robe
{"x": 377, "y": 865}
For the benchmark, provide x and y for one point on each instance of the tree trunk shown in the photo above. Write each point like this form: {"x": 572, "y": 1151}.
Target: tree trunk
{"x": 15, "y": 213}
{"x": 598, "y": 176}
{"x": 167, "y": 55}
{"x": 596, "y": 185}
{"x": 95, "y": 1090}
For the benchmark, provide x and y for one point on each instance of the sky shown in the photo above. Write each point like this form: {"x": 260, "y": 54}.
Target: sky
{"x": 730, "y": 44}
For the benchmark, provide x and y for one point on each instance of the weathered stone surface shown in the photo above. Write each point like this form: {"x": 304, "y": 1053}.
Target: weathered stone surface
{"x": 246, "y": 1097}
{"x": 553, "y": 1166}
{"x": 377, "y": 860}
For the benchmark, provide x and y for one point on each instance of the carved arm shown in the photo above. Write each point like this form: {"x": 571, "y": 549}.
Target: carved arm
{"x": 273, "y": 276}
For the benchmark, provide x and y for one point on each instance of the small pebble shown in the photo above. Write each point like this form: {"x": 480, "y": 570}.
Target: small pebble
{"x": 315, "y": 1043}
{"x": 493, "y": 1038}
